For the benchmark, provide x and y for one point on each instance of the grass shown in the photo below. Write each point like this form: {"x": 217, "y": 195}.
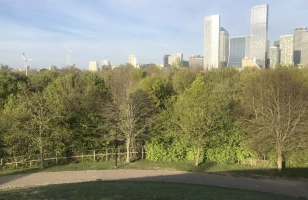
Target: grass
{"x": 133, "y": 190}
{"x": 215, "y": 168}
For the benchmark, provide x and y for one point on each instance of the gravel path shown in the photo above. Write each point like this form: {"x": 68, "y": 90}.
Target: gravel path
{"x": 283, "y": 187}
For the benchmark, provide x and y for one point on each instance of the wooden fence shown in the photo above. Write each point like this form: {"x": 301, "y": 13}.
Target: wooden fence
{"x": 105, "y": 155}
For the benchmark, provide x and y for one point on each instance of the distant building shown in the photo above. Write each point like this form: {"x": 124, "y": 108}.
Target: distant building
{"x": 274, "y": 56}
{"x": 250, "y": 63}
{"x": 305, "y": 50}
{"x": 173, "y": 59}
{"x": 211, "y": 42}
{"x": 286, "y": 50}
{"x": 196, "y": 61}
{"x": 259, "y": 34}
{"x": 185, "y": 63}
{"x": 93, "y": 66}
{"x": 277, "y": 43}
{"x": 299, "y": 44}
{"x": 106, "y": 64}
{"x": 247, "y": 53}
{"x": 224, "y": 47}
{"x": 132, "y": 60}
{"x": 237, "y": 51}
{"x": 53, "y": 68}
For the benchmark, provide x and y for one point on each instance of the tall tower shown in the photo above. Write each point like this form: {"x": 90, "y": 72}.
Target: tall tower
{"x": 274, "y": 56}
{"x": 299, "y": 45}
{"x": 259, "y": 34}
{"x": 237, "y": 51}
{"x": 286, "y": 50}
{"x": 132, "y": 60}
{"x": 211, "y": 41}
{"x": 224, "y": 47}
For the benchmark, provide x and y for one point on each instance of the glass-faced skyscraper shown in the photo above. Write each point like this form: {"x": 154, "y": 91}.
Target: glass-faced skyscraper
{"x": 211, "y": 41}
{"x": 259, "y": 34}
{"x": 237, "y": 51}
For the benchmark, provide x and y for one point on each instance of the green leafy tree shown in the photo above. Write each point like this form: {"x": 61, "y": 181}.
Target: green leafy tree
{"x": 200, "y": 111}
{"x": 277, "y": 101}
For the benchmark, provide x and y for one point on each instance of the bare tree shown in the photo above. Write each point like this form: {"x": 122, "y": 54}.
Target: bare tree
{"x": 278, "y": 101}
{"x": 134, "y": 117}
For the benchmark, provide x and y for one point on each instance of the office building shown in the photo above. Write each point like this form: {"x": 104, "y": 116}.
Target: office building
{"x": 299, "y": 44}
{"x": 249, "y": 63}
{"x": 132, "y": 60}
{"x": 247, "y": 54}
{"x": 211, "y": 41}
{"x": 274, "y": 56}
{"x": 305, "y": 50}
{"x": 277, "y": 43}
{"x": 259, "y": 34}
{"x": 173, "y": 60}
{"x": 237, "y": 51}
{"x": 93, "y": 66}
{"x": 286, "y": 50}
{"x": 223, "y": 47}
{"x": 106, "y": 64}
{"x": 53, "y": 68}
{"x": 196, "y": 61}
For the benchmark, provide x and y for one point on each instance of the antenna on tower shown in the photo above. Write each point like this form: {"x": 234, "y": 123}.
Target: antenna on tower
{"x": 26, "y": 62}
{"x": 68, "y": 56}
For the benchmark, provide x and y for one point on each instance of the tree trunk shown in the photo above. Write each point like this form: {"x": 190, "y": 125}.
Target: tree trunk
{"x": 279, "y": 159}
{"x": 128, "y": 150}
{"x": 42, "y": 157}
{"x": 197, "y": 156}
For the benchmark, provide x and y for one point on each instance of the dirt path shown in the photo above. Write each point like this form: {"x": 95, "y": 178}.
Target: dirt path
{"x": 283, "y": 187}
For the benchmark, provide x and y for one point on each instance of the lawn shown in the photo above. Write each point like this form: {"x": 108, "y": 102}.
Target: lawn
{"x": 216, "y": 168}
{"x": 133, "y": 190}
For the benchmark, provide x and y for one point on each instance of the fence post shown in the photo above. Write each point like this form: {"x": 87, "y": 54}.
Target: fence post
{"x": 106, "y": 154}
{"x": 82, "y": 156}
{"x": 94, "y": 158}
{"x": 1, "y": 162}
{"x": 56, "y": 158}
{"x": 142, "y": 155}
{"x": 30, "y": 162}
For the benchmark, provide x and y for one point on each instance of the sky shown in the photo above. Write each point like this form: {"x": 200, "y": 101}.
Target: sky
{"x": 111, "y": 30}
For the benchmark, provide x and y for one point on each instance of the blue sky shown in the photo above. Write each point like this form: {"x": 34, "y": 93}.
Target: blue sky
{"x": 113, "y": 29}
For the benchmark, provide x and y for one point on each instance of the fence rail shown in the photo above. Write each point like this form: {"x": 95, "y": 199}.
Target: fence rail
{"x": 108, "y": 155}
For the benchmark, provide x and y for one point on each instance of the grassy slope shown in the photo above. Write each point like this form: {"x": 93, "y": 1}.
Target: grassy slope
{"x": 133, "y": 190}
{"x": 234, "y": 170}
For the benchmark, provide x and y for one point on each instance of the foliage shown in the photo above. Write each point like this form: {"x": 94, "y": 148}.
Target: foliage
{"x": 179, "y": 114}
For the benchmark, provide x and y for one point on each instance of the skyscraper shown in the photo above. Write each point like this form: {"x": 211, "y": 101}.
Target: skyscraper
{"x": 224, "y": 47}
{"x": 305, "y": 50}
{"x": 274, "y": 56}
{"x": 132, "y": 60}
{"x": 211, "y": 41}
{"x": 237, "y": 51}
{"x": 299, "y": 44}
{"x": 286, "y": 50}
{"x": 259, "y": 34}
{"x": 93, "y": 66}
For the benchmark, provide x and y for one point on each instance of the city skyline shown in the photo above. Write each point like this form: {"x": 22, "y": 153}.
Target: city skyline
{"x": 113, "y": 30}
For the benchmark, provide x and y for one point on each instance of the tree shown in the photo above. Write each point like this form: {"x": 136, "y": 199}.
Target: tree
{"x": 182, "y": 79}
{"x": 278, "y": 117}
{"x": 134, "y": 117}
{"x": 199, "y": 112}
{"x": 31, "y": 123}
